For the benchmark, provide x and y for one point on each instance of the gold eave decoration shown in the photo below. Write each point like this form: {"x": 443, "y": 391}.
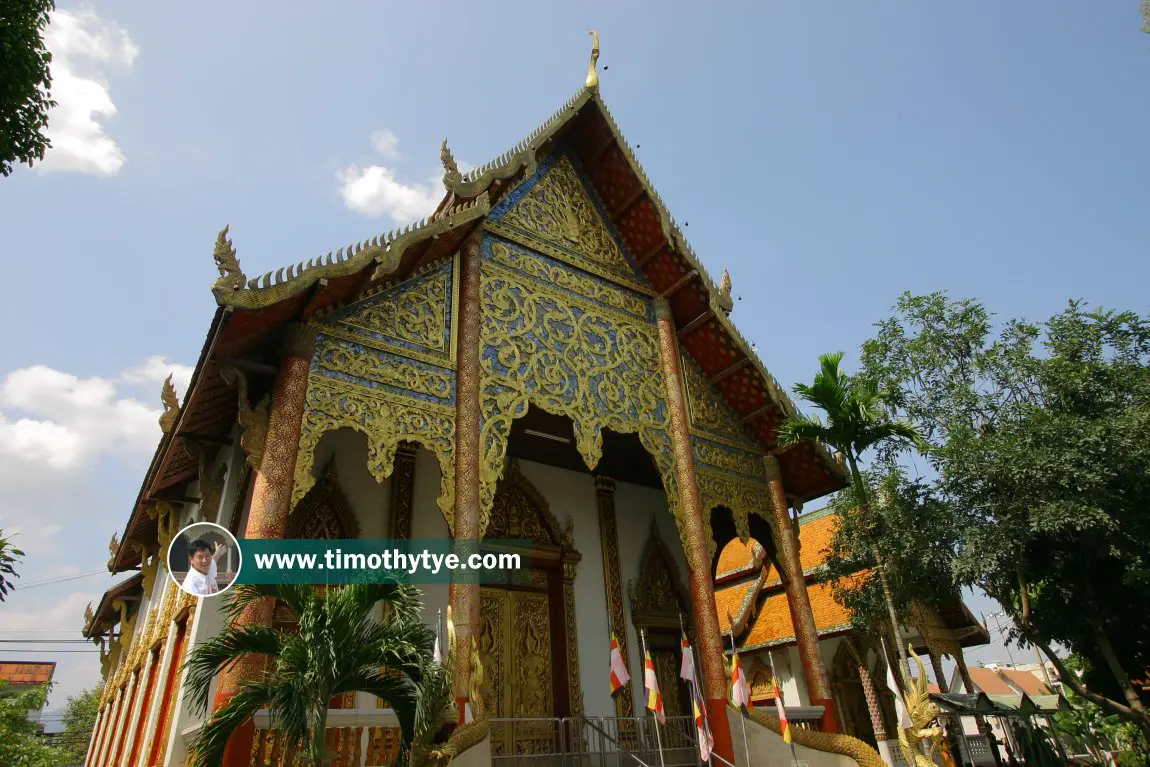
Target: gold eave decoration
{"x": 386, "y": 251}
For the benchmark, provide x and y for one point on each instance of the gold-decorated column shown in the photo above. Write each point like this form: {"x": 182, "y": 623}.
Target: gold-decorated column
{"x": 803, "y": 618}
{"x": 464, "y": 597}
{"x": 271, "y": 501}
{"x": 710, "y": 639}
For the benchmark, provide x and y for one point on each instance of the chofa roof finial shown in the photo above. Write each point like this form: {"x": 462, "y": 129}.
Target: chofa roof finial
{"x": 450, "y": 167}
{"x": 592, "y": 75}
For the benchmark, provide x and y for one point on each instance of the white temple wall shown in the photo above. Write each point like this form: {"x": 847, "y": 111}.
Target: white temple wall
{"x": 634, "y": 508}
{"x": 370, "y": 501}
{"x": 427, "y": 522}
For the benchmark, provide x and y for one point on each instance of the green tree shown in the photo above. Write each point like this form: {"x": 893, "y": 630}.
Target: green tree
{"x": 338, "y": 645}
{"x": 9, "y": 555}
{"x": 21, "y": 744}
{"x": 1038, "y": 436}
{"x": 24, "y": 96}
{"x": 856, "y": 421}
{"x": 79, "y": 721}
{"x": 914, "y": 530}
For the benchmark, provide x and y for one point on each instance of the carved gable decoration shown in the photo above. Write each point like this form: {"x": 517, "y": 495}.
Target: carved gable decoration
{"x": 324, "y": 512}
{"x": 659, "y": 589}
{"x": 710, "y": 415}
{"x": 554, "y": 212}
{"x": 412, "y": 318}
{"x": 522, "y": 513}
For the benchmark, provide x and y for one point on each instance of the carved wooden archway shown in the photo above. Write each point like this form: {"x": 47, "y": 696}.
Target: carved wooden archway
{"x": 527, "y": 637}
{"x": 657, "y": 602}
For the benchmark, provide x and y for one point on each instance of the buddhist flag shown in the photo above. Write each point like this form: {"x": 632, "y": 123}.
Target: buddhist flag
{"x": 651, "y": 687}
{"x": 781, "y": 710}
{"x": 687, "y": 672}
{"x": 619, "y": 675}
{"x": 740, "y": 690}
{"x": 436, "y": 655}
{"x": 899, "y": 704}
{"x": 706, "y": 740}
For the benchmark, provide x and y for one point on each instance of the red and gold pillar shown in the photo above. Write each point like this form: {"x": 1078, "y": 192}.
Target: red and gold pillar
{"x": 710, "y": 638}
{"x": 803, "y": 618}
{"x": 271, "y": 502}
{"x": 464, "y": 597}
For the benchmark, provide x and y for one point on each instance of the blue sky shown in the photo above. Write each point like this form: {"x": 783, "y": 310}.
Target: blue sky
{"x": 830, "y": 154}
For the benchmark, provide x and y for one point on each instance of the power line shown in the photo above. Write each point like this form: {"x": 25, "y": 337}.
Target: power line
{"x": 59, "y": 579}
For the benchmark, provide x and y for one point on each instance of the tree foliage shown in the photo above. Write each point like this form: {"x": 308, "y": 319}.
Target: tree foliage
{"x": 24, "y": 82}
{"x": 914, "y": 530}
{"x": 1039, "y": 438}
{"x": 79, "y": 721}
{"x": 856, "y": 422}
{"x": 21, "y": 744}
{"x": 337, "y": 645}
{"x": 9, "y": 556}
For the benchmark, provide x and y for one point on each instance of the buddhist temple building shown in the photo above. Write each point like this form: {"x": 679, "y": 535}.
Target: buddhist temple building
{"x": 751, "y": 599}
{"x": 543, "y": 358}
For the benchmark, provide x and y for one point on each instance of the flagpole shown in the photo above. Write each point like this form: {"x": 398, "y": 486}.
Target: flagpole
{"x": 696, "y": 691}
{"x": 658, "y": 737}
{"x": 742, "y": 716}
{"x": 775, "y": 681}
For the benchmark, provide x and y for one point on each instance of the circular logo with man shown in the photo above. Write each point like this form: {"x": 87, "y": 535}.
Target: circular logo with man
{"x": 204, "y": 559}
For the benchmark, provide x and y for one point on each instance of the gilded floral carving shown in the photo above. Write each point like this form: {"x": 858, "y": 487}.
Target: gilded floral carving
{"x": 386, "y": 419}
{"x": 558, "y": 210}
{"x": 413, "y": 318}
{"x": 387, "y": 369}
{"x": 570, "y": 356}
{"x": 709, "y": 413}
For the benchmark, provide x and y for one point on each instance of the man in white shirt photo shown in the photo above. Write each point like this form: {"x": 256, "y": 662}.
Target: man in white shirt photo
{"x": 201, "y": 577}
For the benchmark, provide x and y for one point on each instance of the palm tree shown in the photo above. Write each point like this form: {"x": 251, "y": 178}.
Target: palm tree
{"x": 9, "y": 555}
{"x": 338, "y": 645}
{"x": 855, "y": 421}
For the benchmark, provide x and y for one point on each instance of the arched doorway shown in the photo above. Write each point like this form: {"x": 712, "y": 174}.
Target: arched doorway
{"x": 526, "y": 636}
{"x": 658, "y": 604}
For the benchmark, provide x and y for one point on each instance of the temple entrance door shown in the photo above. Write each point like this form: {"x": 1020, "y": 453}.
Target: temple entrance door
{"x": 515, "y": 639}
{"x": 658, "y": 604}
{"x": 526, "y": 639}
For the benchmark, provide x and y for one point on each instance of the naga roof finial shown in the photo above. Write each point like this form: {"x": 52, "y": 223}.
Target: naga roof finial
{"x": 592, "y": 74}
{"x": 450, "y": 167}
{"x": 231, "y": 278}
{"x": 171, "y": 405}
{"x": 725, "y": 301}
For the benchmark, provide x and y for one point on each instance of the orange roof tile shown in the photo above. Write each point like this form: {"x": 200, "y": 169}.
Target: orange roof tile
{"x": 26, "y": 672}
{"x": 815, "y": 533}
{"x": 737, "y": 558}
{"x": 773, "y": 623}
{"x": 1025, "y": 681}
{"x": 989, "y": 682}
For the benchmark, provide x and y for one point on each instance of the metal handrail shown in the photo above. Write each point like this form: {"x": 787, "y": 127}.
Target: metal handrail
{"x": 603, "y": 734}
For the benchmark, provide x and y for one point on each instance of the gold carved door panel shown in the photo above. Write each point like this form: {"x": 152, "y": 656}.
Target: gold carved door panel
{"x": 515, "y": 649}
{"x": 667, "y": 666}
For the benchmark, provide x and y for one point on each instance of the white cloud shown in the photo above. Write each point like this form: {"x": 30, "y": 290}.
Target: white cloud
{"x": 66, "y": 422}
{"x": 83, "y": 47}
{"x": 385, "y": 143}
{"x": 374, "y": 190}
{"x": 155, "y": 369}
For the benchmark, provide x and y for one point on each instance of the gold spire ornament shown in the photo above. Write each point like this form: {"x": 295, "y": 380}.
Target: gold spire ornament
{"x": 88, "y": 615}
{"x": 450, "y": 166}
{"x": 231, "y": 278}
{"x": 171, "y": 405}
{"x": 725, "y": 285}
{"x": 592, "y": 75}
{"x": 113, "y": 549}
